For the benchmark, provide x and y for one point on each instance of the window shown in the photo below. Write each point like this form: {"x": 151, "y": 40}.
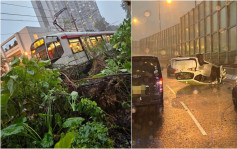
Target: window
{"x": 233, "y": 38}
{"x": 196, "y": 15}
{"x": 197, "y": 46}
{"x": 186, "y": 20}
{"x": 214, "y": 22}
{"x": 202, "y": 28}
{"x": 208, "y": 23}
{"x": 99, "y": 38}
{"x": 208, "y": 44}
{"x": 10, "y": 44}
{"x": 75, "y": 45}
{"x": 207, "y": 7}
{"x": 223, "y": 18}
{"x": 93, "y": 41}
{"x": 55, "y": 49}
{"x": 183, "y": 49}
{"x": 201, "y": 10}
{"x": 214, "y": 6}
{"x": 196, "y": 31}
{"x": 215, "y": 43}
{"x": 187, "y": 49}
{"x": 233, "y": 13}
{"x": 202, "y": 50}
{"x": 186, "y": 34}
{"x": 191, "y": 17}
{"x": 191, "y": 48}
{"x": 223, "y": 45}
{"x": 191, "y": 32}
{"x": 222, "y": 3}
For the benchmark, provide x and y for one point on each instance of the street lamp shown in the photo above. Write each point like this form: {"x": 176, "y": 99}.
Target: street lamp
{"x": 169, "y": 1}
{"x": 135, "y": 20}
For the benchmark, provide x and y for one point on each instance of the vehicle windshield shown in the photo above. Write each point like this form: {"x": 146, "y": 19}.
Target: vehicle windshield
{"x": 145, "y": 66}
{"x": 54, "y": 47}
{"x": 38, "y": 50}
{"x": 183, "y": 64}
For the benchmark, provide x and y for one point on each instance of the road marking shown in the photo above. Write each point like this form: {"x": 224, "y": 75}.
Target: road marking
{"x": 171, "y": 89}
{"x": 194, "y": 119}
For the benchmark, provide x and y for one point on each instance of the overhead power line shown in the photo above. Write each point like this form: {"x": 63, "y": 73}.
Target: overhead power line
{"x": 24, "y": 6}
{"x": 14, "y": 14}
{"x": 21, "y": 20}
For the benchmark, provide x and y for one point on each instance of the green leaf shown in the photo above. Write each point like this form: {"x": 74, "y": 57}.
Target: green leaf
{"x": 12, "y": 130}
{"x": 98, "y": 75}
{"x": 42, "y": 115}
{"x": 73, "y": 122}
{"x": 124, "y": 70}
{"x": 15, "y": 61}
{"x": 74, "y": 95}
{"x": 21, "y": 119}
{"x": 46, "y": 84}
{"x": 4, "y": 101}
{"x": 47, "y": 141}
{"x": 44, "y": 63}
{"x": 10, "y": 86}
{"x": 66, "y": 141}
{"x": 14, "y": 77}
{"x": 31, "y": 72}
{"x": 58, "y": 119}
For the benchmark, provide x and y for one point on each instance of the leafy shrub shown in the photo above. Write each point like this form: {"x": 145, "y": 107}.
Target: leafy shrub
{"x": 90, "y": 109}
{"x": 92, "y": 135}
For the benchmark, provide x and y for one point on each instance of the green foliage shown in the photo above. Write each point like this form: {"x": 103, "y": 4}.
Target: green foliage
{"x": 92, "y": 135}
{"x": 27, "y": 81}
{"x": 121, "y": 42}
{"x": 66, "y": 141}
{"x": 72, "y": 100}
{"x": 91, "y": 109}
{"x": 73, "y": 122}
{"x": 12, "y": 130}
{"x": 47, "y": 141}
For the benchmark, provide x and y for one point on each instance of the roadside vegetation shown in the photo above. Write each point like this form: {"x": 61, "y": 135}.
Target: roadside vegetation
{"x": 43, "y": 107}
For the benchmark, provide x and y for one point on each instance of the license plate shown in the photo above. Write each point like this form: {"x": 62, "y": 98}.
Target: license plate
{"x": 138, "y": 90}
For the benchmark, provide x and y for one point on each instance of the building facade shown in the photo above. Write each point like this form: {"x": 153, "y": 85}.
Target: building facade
{"x": 19, "y": 43}
{"x": 85, "y": 14}
{"x": 210, "y": 29}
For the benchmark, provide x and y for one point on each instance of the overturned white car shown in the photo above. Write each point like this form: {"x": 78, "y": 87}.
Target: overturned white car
{"x": 196, "y": 71}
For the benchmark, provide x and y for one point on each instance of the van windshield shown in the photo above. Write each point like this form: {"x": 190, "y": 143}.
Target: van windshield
{"x": 145, "y": 66}
{"x": 183, "y": 64}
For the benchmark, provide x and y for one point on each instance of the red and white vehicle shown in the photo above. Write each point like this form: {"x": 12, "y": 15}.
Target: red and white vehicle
{"x": 67, "y": 48}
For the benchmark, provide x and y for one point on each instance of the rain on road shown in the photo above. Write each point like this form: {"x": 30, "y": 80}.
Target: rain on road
{"x": 193, "y": 116}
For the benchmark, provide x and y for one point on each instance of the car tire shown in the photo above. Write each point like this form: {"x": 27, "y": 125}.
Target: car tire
{"x": 234, "y": 98}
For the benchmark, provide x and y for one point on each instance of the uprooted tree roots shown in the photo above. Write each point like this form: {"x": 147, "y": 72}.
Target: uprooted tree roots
{"x": 112, "y": 94}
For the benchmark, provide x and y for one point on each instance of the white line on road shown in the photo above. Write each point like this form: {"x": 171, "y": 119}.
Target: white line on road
{"x": 170, "y": 89}
{"x": 194, "y": 119}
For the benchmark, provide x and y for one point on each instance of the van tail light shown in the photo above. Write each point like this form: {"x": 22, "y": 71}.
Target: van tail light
{"x": 160, "y": 84}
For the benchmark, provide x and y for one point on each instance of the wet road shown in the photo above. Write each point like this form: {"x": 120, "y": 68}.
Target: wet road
{"x": 193, "y": 116}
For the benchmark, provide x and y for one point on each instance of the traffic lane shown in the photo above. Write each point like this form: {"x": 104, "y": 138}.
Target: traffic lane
{"x": 213, "y": 108}
{"x": 150, "y": 129}
{"x": 146, "y": 121}
{"x": 175, "y": 127}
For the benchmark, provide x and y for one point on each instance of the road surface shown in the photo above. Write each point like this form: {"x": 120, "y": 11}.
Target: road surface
{"x": 193, "y": 117}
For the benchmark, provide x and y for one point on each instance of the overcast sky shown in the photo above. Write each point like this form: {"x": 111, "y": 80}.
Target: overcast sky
{"x": 110, "y": 10}
{"x": 169, "y": 15}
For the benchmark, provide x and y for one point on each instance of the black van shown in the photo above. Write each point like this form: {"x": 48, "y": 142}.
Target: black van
{"x": 147, "y": 83}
